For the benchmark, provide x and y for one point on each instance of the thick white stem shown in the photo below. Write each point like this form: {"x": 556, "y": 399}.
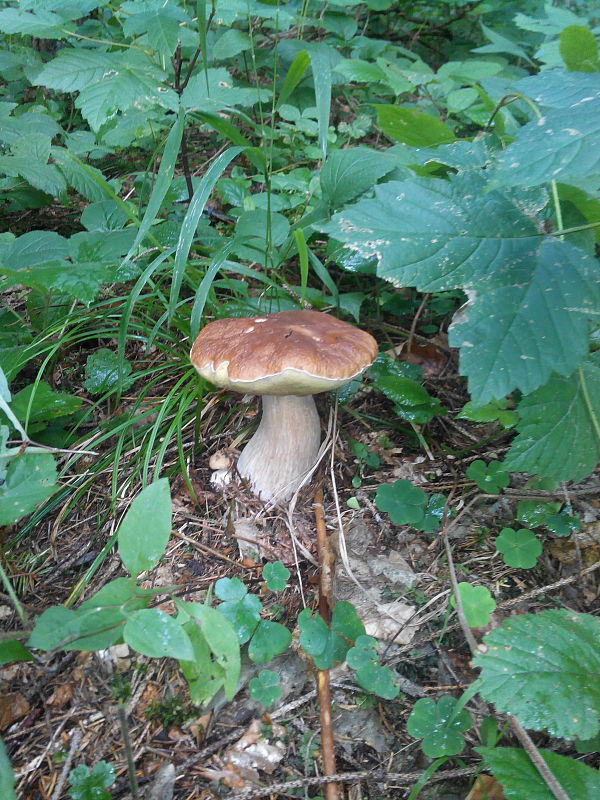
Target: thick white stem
{"x": 284, "y": 447}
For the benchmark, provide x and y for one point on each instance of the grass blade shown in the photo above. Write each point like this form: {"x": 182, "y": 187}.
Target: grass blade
{"x": 293, "y": 76}
{"x": 321, "y": 71}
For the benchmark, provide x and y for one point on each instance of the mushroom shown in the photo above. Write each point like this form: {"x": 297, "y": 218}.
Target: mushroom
{"x": 285, "y": 357}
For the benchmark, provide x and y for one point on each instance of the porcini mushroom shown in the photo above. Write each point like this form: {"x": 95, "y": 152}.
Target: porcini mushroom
{"x": 285, "y": 357}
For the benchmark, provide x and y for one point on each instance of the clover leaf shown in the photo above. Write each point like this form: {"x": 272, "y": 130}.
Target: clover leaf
{"x": 477, "y": 604}
{"x": 276, "y": 576}
{"x": 519, "y": 548}
{"x": 491, "y": 478}
{"x": 438, "y": 725}
{"x": 265, "y": 687}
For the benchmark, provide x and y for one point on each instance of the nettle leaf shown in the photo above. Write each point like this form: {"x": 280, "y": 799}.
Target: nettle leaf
{"x": 490, "y": 477}
{"x": 544, "y": 668}
{"x": 43, "y": 24}
{"x": 30, "y": 478}
{"x": 439, "y": 726}
{"x": 519, "y": 549}
{"x": 154, "y": 633}
{"x": 513, "y": 768}
{"x": 146, "y": 527}
{"x": 161, "y": 25}
{"x": 73, "y": 69}
{"x": 562, "y": 144}
{"x": 516, "y": 335}
{"x": 477, "y": 603}
{"x": 558, "y": 428}
{"x": 557, "y": 88}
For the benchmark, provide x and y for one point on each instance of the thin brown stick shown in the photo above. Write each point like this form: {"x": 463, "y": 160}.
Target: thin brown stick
{"x": 75, "y": 741}
{"x": 323, "y": 689}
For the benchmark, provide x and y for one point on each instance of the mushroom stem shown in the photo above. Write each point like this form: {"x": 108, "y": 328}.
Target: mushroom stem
{"x": 284, "y": 447}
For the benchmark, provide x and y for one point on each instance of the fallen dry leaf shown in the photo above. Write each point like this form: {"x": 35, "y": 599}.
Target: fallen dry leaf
{"x": 486, "y": 788}
{"x": 12, "y": 707}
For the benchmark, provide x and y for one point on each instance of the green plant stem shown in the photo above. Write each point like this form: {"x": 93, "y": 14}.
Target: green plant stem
{"x": 14, "y": 599}
{"x": 588, "y": 403}
{"x": 587, "y": 227}
{"x": 122, "y": 715}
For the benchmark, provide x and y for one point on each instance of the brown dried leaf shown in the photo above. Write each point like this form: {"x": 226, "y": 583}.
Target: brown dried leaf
{"x": 486, "y": 788}
{"x": 12, "y": 707}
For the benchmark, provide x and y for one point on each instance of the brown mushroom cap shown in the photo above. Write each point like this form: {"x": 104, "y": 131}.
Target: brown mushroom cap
{"x": 287, "y": 353}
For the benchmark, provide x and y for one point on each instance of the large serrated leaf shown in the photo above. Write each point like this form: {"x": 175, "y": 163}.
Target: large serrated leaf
{"x": 558, "y": 88}
{"x": 544, "y": 669}
{"x": 562, "y": 145}
{"x": 438, "y": 235}
{"x": 520, "y": 779}
{"x": 74, "y": 69}
{"x": 558, "y": 432}
{"x": 518, "y": 334}
{"x": 161, "y": 24}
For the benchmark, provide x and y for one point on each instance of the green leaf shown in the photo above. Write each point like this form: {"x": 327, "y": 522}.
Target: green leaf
{"x": 243, "y": 614}
{"x": 345, "y": 621}
{"x": 43, "y": 24}
{"x": 350, "y": 172}
{"x": 439, "y": 726}
{"x": 412, "y": 401}
{"x": 160, "y": 24}
{"x": 230, "y": 44}
{"x": 404, "y": 502}
{"x": 265, "y": 687}
{"x": 490, "y": 478}
{"x": 75, "y": 68}
{"x": 563, "y": 145}
{"x": 477, "y": 603}
{"x": 325, "y": 646}
{"x": 14, "y": 651}
{"x": 558, "y": 433}
{"x": 293, "y": 76}
{"x": 269, "y": 640}
{"x": 106, "y": 371}
{"x": 515, "y": 336}
{"x": 363, "y": 658}
{"x": 562, "y": 524}
{"x": 579, "y": 49}
{"x": 222, "y": 640}
{"x": 230, "y": 589}
{"x": 91, "y": 784}
{"x": 204, "y": 675}
{"x": 275, "y": 576}
{"x": 53, "y": 627}
{"x": 412, "y": 127}
{"x": 30, "y": 479}
{"x": 490, "y": 412}
{"x": 215, "y": 89}
{"x": 7, "y": 776}
{"x": 519, "y": 548}
{"x": 102, "y": 616}
{"x": 146, "y": 527}
{"x": 534, "y": 513}
{"x": 39, "y": 402}
{"x": 81, "y": 280}
{"x": 320, "y": 62}
{"x": 543, "y": 668}
{"x": 153, "y": 633}
{"x": 519, "y": 777}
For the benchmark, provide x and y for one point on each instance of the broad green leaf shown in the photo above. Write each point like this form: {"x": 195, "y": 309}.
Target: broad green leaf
{"x": 562, "y": 145}
{"x": 222, "y": 640}
{"x": 146, "y": 527}
{"x": 359, "y": 71}
{"x": 412, "y": 127}
{"x": 544, "y": 668}
{"x": 75, "y": 68}
{"x": 90, "y": 784}
{"x": 161, "y": 25}
{"x": 30, "y": 479}
{"x": 345, "y": 621}
{"x": 7, "y": 776}
{"x": 477, "y": 603}
{"x": 133, "y": 81}
{"x": 13, "y": 650}
{"x": 520, "y": 779}
{"x": 102, "y": 616}
{"x": 325, "y": 646}
{"x": 490, "y": 412}
{"x": 231, "y": 43}
{"x": 579, "y": 49}
{"x": 519, "y": 549}
{"x": 204, "y": 675}
{"x": 558, "y": 432}
{"x": 516, "y": 335}
{"x": 243, "y": 613}
{"x": 106, "y": 371}
{"x": 534, "y": 513}
{"x": 36, "y": 247}
{"x": 88, "y": 181}
{"x": 559, "y": 89}
{"x": 439, "y": 726}
{"x": 412, "y": 401}
{"x": 153, "y": 633}
{"x": 293, "y": 76}
{"x": 39, "y": 401}
{"x": 215, "y": 90}
{"x": 231, "y": 589}
{"x": 363, "y": 658}
{"x": 43, "y": 24}
{"x": 348, "y": 173}
{"x": 275, "y": 576}
{"x": 265, "y": 687}
{"x": 269, "y": 640}
{"x": 500, "y": 44}
{"x": 81, "y": 280}
{"x": 439, "y": 234}
{"x": 55, "y": 626}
